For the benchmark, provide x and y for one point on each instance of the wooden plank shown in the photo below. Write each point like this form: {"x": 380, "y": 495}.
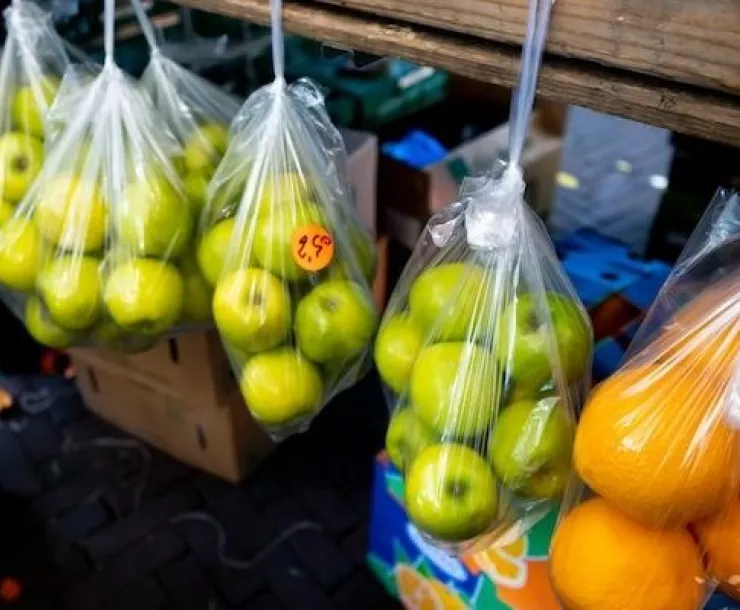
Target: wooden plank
{"x": 682, "y": 108}
{"x": 690, "y": 41}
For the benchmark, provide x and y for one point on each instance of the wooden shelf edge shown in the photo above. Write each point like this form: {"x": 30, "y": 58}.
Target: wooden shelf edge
{"x": 682, "y": 108}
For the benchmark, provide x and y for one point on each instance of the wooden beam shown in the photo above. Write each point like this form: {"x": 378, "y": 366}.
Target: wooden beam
{"x": 689, "y": 41}
{"x": 683, "y": 108}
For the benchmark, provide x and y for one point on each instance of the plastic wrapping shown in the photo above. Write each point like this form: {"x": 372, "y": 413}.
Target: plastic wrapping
{"x": 91, "y": 252}
{"x": 658, "y": 445}
{"x": 485, "y": 352}
{"x": 290, "y": 260}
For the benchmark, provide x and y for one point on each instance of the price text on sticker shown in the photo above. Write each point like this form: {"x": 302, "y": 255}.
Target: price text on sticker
{"x": 313, "y": 247}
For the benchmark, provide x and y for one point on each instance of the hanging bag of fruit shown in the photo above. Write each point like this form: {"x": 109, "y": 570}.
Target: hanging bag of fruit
{"x": 659, "y": 449}
{"x": 198, "y": 114}
{"x": 91, "y": 252}
{"x": 33, "y": 62}
{"x": 291, "y": 260}
{"x": 485, "y": 353}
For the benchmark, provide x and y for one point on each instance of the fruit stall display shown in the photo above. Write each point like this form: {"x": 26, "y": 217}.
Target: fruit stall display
{"x": 657, "y": 446}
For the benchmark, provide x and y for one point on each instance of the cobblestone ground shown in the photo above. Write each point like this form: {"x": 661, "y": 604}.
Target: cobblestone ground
{"x": 91, "y": 520}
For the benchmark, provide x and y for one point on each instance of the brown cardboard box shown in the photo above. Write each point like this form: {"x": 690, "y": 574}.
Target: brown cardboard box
{"x": 225, "y": 441}
{"x": 192, "y": 367}
{"x": 409, "y": 196}
{"x": 362, "y": 167}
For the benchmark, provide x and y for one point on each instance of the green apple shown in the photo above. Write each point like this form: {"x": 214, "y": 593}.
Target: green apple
{"x": 204, "y": 148}
{"x": 396, "y": 347}
{"x": 406, "y": 437}
{"x": 335, "y": 322}
{"x": 154, "y": 219}
{"x": 20, "y": 254}
{"x": 214, "y": 251}
{"x": 363, "y": 250}
{"x": 282, "y": 190}
{"x": 455, "y": 389}
{"x": 195, "y": 185}
{"x": 451, "y": 493}
{"x": 107, "y": 334}
{"x": 7, "y": 210}
{"x": 71, "y": 213}
{"x": 70, "y": 289}
{"x": 198, "y": 293}
{"x": 281, "y": 386}
{"x": 29, "y": 105}
{"x": 531, "y": 340}
{"x": 273, "y": 238}
{"x": 531, "y": 447}
{"x": 144, "y": 295}
{"x": 448, "y": 301}
{"x": 21, "y": 158}
{"x": 42, "y": 328}
{"x": 252, "y": 309}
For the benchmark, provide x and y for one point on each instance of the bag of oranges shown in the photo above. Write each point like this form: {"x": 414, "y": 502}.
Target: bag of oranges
{"x": 92, "y": 251}
{"x": 659, "y": 448}
{"x": 485, "y": 352}
{"x": 289, "y": 259}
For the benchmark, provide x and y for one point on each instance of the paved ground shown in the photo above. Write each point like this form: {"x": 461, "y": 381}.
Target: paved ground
{"x": 89, "y": 520}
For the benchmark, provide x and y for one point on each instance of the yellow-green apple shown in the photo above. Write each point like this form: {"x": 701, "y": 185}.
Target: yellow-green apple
{"x": 335, "y": 322}
{"x": 72, "y": 214}
{"x": 204, "y": 147}
{"x": 195, "y": 185}
{"x": 198, "y": 293}
{"x": 214, "y": 250}
{"x": 449, "y": 301}
{"x": 30, "y": 103}
{"x": 455, "y": 388}
{"x": 273, "y": 238}
{"x": 451, "y": 493}
{"x": 538, "y": 333}
{"x": 396, "y": 347}
{"x": 281, "y": 386}
{"x": 363, "y": 250}
{"x": 283, "y": 190}
{"x": 21, "y": 158}
{"x": 42, "y": 328}
{"x": 7, "y": 210}
{"x": 154, "y": 218}
{"x": 406, "y": 437}
{"x": 252, "y": 309}
{"x": 531, "y": 448}
{"x": 70, "y": 288}
{"x": 112, "y": 336}
{"x": 144, "y": 295}
{"x": 20, "y": 254}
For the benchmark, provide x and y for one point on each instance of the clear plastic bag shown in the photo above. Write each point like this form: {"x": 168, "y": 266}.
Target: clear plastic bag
{"x": 33, "y": 63}
{"x": 90, "y": 253}
{"x": 485, "y": 353}
{"x": 658, "y": 445}
{"x": 289, "y": 258}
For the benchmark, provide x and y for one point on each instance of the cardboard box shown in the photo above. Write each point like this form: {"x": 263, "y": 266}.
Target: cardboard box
{"x": 511, "y": 576}
{"x": 192, "y": 367}
{"x": 225, "y": 441}
{"x": 409, "y": 196}
{"x": 362, "y": 167}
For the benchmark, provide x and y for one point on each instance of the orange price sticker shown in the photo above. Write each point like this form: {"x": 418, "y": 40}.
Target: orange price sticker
{"x": 313, "y": 247}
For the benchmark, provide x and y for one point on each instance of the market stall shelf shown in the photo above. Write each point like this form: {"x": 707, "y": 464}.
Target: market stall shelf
{"x": 675, "y": 65}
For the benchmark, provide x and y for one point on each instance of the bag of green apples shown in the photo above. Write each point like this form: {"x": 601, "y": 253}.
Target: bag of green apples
{"x": 289, "y": 257}
{"x": 485, "y": 354}
{"x": 90, "y": 254}
{"x": 33, "y": 62}
{"x": 198, "y": 114}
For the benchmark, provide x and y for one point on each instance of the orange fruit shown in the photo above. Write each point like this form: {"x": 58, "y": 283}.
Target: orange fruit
{"x": 415, "y": 591}
{"x": 653, "y": 441}
{"x": 704, "y": 335}
{"x": 719, "y": 536}
{"x": 600, "y": 559}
